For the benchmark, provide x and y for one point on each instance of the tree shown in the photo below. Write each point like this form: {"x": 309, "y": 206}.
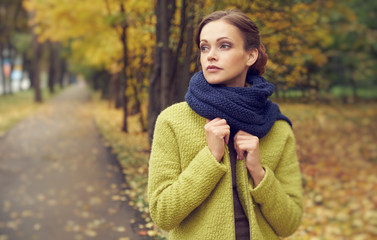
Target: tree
{"x": 174, "y": 54}
{"x": 12, "y": 22}
{"x": 159, "y": 79}
{"x": 141, "y": 46}
{"x": 96, "y": 38}
{"x": 352, "y": 55}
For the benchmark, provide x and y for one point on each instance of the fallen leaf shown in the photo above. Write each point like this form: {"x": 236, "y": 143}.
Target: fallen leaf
{"x": 37, "y": 227}
{"x": 90, "y": 233}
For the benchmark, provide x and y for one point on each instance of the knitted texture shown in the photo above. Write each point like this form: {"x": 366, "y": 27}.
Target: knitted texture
{"x": 190, "y": 193}
{"x": 245, "y": 108}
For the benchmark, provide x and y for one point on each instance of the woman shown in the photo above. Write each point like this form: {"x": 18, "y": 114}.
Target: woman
{"x": 223, "y": 163}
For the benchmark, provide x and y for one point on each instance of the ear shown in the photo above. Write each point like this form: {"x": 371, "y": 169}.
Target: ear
{"x": 252, "y": 56}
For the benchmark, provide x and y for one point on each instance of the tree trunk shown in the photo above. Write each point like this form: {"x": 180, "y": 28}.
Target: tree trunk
{"x": 165, "y": 61}
{"x": 124, "y": 73}
{"x": 354, "y": 89}
{"x": 154, "y": 90}
{"x": 175, "y": 76}
{"x": 27, "y": 66}
{"x": 4, "y": 86}
{"x": 117, "y": 91}
{"x": 160, "y": 92}
{"x": 103, "y": 87}
{"x": 138, "y": 88}
{"x": 168, "y": 8}
{"x": 37, "y": 48}
{"x": 52, "y": 67}
{"x": 186, "y": 69}
{"x": 63, "y": 69}
{"x": 35, "y": 62}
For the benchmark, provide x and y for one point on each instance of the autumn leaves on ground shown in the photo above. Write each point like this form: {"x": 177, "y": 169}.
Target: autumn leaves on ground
{"x": 337, "y": 148}
{"x": 336, "y": 144}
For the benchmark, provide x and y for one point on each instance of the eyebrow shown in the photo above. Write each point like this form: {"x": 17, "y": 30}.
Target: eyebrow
{"x": 217, "y": 40}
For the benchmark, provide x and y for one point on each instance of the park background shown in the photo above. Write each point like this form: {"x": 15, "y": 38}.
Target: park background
{"x": 138, "y": 57}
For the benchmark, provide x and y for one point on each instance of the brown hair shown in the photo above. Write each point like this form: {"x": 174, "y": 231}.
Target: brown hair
{"x": 250, "y": 34}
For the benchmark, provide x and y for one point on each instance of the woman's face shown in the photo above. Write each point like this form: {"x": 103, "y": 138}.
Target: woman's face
{"x": 222, "y": 55}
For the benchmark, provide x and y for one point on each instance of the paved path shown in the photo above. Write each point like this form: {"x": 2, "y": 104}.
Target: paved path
{"x": 58, "y": 181}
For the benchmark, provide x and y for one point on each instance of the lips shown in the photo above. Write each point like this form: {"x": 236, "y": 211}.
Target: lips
{"x": 213, "y": 68}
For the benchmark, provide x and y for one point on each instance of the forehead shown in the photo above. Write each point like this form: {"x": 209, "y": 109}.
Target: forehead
{"x": 220, "y": 29}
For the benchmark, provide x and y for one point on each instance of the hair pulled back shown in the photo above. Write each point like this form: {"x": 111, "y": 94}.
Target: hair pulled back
{"x": 249, "y": 31}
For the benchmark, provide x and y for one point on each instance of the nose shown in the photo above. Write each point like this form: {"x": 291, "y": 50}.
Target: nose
{"x": 212, "y": 56}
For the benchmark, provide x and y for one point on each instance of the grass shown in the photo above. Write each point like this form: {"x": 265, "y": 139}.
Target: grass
{"x": 363, "y": 93}
{"x": 335, "y": 93}
{"x": 18, "y": 106}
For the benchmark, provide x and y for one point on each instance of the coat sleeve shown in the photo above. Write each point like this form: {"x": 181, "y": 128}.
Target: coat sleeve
{"x": 173, "y": 192}
{"x": 279, "y": 195}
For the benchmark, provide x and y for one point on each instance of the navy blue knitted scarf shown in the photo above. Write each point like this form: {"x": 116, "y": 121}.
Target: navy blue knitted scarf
{"x": 244, "y": 108}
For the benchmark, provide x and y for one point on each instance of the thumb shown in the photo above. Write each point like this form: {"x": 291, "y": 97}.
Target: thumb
{"x": 207, "y": 121}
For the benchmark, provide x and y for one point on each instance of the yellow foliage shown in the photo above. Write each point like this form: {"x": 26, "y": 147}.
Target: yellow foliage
{"x": 292, "y": 32}
{"x": 318, "y": 57}
{"x": 293, "y": 35}
{"x": 87, "y": 27}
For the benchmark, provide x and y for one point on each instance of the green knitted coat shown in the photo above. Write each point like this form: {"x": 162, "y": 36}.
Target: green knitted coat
{"x": 190, "y": 193}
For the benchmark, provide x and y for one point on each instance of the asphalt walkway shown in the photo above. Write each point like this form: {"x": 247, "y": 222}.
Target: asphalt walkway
{"x": 58, "y": 181}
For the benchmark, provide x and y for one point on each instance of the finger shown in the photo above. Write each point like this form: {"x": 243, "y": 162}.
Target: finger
{"x": 243, "y": 133}
{"x": 224, "y": 132}
{"x": 219, "y": 132}
{"x": 235, "y": 143}
{"x": 238, "y": 150}
{"x": 243, "y": 146}
{"x": 218, "y": 122}
{"x": 237, "y": 136}
{"x": 215, "y": 119}
{"x": 240, "y": 155}
{"x": 247, "y": 148}
{"x": 227, "y": 137}
{"x": 242, "y": 137}
{"x": 252, "y": 140}
{"x": 212, "y": 121}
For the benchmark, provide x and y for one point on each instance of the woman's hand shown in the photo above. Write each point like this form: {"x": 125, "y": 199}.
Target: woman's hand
{"x": 217, "y": 135}
{"x": 245, "y": 143}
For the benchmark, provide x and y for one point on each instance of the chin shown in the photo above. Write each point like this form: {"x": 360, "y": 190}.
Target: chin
{"x": 214, "y": 82}
{"x": 213, "y": 79}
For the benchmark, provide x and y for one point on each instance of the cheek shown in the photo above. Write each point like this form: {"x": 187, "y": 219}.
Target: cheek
{"x": 239, "y": 56}
{"x": 237, "y": 59}
{"x": 202, "y": 60}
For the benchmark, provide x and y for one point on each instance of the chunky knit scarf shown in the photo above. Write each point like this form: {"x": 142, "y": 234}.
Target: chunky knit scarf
{"x": 244, "y": 108}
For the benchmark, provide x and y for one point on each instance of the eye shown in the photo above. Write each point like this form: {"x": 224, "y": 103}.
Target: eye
{"x": 204, "y": 48}
{"x": 225, "y": 45}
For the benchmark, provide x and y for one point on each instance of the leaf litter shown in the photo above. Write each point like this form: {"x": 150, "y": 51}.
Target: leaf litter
{"x": 337, "y": 150}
